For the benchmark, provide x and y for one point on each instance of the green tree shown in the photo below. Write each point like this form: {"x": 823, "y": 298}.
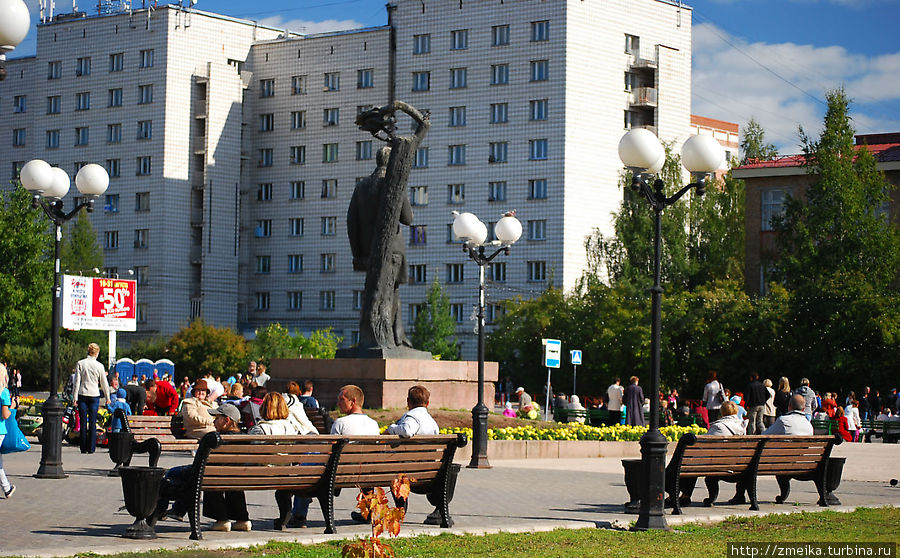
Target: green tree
{"x": 322, "y": 343}
{"x": 80, "y": 253}
{"x": 716, "y": 232}
{"x": 25, "y": 250}
{"x": 273, "y": 341}
{"x": 200, "y": 348}
{"x": 753, "y": 144}
{"x": 435, "y": 330}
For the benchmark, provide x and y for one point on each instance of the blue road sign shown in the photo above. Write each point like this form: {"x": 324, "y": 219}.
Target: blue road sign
{"x": 552, "y": 353}
{"x": 575, "y": 357}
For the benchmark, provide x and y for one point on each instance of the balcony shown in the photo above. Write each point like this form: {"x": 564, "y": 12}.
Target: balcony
{"x": 643, "y": 97}
{"x": 643, "y": 63}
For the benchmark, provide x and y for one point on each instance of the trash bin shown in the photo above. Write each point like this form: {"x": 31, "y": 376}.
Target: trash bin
{"x": 140, "y": 488}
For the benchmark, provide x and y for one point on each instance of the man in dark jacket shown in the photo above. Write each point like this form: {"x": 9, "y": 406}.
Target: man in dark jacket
{"x": 755, "y": 396}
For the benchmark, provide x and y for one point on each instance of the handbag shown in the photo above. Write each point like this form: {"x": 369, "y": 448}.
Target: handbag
{"x": 14, "y": 440}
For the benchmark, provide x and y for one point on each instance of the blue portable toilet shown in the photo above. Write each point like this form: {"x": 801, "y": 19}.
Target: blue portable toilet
{"x": 125, "y": 370}
{"x": 144, "y": 367}
{"x": 164, "y": 366}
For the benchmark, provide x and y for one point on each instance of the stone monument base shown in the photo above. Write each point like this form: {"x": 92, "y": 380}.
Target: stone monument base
{"x": 453, "y": 384}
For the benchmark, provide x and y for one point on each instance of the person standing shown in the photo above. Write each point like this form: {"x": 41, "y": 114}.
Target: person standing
{"x": 261, "y": 376}
{"x": 854, "y": 423}
{"x": 755, "y": 397}
{"x": 809, "y": 396}
{"x": 634, "y": 403}
{"x": 90, "y": 377}
{"x": 769, "y": 410}
{"x": 614, "y": 395}
{"x": 15, "y": 386}
{"x": 5, "y": 413}
{"x": 713, "y": 396}
{"x": 782, "y": 397}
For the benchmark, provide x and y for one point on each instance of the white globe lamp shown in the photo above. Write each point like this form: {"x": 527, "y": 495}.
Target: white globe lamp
{"x": 702, "y": 154}
{"x": 508, "y": 229}
{"x": 59, "y": 186}
{"x": 92, "y": 180}
{"x": 36, "y": 176}
{"x": 640, "y": 149}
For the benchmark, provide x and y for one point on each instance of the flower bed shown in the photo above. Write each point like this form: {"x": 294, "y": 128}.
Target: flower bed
{"x": 577, "y": 431}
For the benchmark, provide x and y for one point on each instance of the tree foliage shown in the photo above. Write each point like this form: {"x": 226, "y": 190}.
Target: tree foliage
{"x": 200, "y": 348}
{"x": 80, "y": 253}
{"x": 276, "y": 341}
{"x": 435, "y": 329}
{"x": 753, "y": 144}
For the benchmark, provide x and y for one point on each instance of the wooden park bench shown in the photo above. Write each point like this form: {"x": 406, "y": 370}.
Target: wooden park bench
{"x": 570, "y": 415}
{"x": 143, "y": 427}
{"x": 888, "y": 430}
{"x": 319, "y": 466}
{"x": 320, "y": 418}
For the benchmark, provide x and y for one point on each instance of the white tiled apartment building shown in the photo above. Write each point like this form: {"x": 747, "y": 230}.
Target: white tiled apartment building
{"x": 234, "y": 207}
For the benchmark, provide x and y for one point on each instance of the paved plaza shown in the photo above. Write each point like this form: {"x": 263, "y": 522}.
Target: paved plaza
{"x": 85, "y": 511}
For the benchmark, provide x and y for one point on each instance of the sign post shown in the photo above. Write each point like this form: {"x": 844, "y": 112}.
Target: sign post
{"x": 552, "y": 357}
{"x": 575, "y": 359}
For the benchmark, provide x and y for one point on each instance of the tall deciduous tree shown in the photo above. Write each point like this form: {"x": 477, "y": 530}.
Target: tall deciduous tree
{"x": 753, "y": 144}
{"x": 435, "y": 329}
{"x": 199, "y": 348}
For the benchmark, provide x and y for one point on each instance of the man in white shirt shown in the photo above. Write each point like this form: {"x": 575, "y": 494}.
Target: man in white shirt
{"x": 416, "y": 421}
{"x": 794, "y": 423}
{"x": 354, "y": 422}
{"x": 614, "y": 394}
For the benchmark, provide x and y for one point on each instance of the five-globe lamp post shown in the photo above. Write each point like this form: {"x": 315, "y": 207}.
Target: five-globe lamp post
{"x": 48, "y": 186}
{"x": 15, "y": 22}
{"x": 641, "y": 151}
{"x": 468, "y": 228}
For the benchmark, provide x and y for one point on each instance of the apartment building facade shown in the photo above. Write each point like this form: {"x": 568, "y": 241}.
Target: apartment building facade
{"x": 251, "y": 152}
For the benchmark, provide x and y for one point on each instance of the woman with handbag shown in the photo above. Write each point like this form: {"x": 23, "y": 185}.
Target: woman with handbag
{"x": 5, "y": 413}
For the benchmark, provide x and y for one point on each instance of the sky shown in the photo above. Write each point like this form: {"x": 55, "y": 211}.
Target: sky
{"x": 771, "y": 60}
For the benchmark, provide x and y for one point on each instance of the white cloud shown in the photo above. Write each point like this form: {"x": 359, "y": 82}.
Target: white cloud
{"x": 310, "y": 27}
{"x": 783, "y": 85}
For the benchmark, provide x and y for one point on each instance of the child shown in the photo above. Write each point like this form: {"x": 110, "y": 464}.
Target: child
{"x": 5, "y": 413}
{"x": 508, "y": 411}
{"x": 117, "y": 401}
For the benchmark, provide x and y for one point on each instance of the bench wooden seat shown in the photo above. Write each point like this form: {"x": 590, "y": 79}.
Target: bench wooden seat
{"x": 320, "y": 418}
{"x": 319, "y": 466}
{"x": 144, "y": 427}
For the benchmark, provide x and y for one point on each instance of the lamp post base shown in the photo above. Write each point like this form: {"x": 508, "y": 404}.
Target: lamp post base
{"x": 653, "y": 456}
{"x": 51, "y": 466}
{"x": 479, "y": 438}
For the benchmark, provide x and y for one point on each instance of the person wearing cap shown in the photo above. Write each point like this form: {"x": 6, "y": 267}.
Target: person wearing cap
{"x": 196, "y": 411}
{"x": 524, "y": 398}
{"x": 117, "y": 401}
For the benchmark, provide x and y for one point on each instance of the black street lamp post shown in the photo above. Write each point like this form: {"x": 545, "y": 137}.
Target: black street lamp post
{"x": 641, "y": 151}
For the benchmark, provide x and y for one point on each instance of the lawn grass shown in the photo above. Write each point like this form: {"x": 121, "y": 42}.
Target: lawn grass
{"x": 689, "y": 541}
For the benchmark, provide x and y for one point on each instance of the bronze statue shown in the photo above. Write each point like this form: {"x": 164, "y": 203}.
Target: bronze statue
{"x": 380, "y": 204}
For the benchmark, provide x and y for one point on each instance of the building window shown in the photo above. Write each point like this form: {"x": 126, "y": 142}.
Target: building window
{"x": 333, "y": 81}
{"x": 141, "y": 238}
{"x": 537, "y": 230}
{"x": 298, "y": 190}
{"x": 266, "y": 122}
{"x": 266, "y": 157}
{"x": 114, "y": 168}
{"x": 144, "y": 129}
{"x": 497, "y": 191}
{"x": 295, "y": 263}
{"x": 457, "y": 312}
{"x": 18, "y": 137}
{"x": 113, "y": 133}
{"x": 298, "y": 119}
{"x": 83, "y": 66}
{"x": 414, "y": 310}
{"x": 295, "y": 300}
{"x": 456, "y": 193}
{"x": 146, "y": 58}
{"x": 418, "y": 195}
{"x": 83, "y": 100}
{"x": 263, "y": 228}
{"x": 455, "y": 273}
{"x": 141, "y": 274}
{"x": 298, "y": 85}
{"x": 540, "y": 70}
{"x": 142, "y": 201}
{"x": 421, "y": 81}
{"x": 631, "y": 81}
{"x": 82, "y": 135}
{"x": 457, "y": 117}
{"x": 540, "y": 31}
{"x": 77, "y": 166}
{"x": 54, "y": 70}
{"x": 417, "y": 235}
{"x": 263, "y": 264}
{"x": 421, "y": 160}
{"x": 52, "y": 139}
{"x": 499, "y": 113}
{"x": 494, "y": 312}
{"x": 111, "y": 240}
{"x": 331, "y": 116}
{"x": 363, "y": 150}
{"x": 358, "y": 302}
{"x": 140, "y": 312}
{"x": 537, "y": 271}
{"x": 145, "y": 94}
{"x": 298, "y": 154}
{"x": 267, "y": 88}
{"x": 498, "y": 151}
{"x": 497, "y": 272}
{"x": 326, "y": 300}
{"x": 632, "y": 45}
{"x": 364, "y": 79}
{"x": 458, "y": 78}
{"x": 772, "y": 206}
{"x": 421, "y": 44}
{"x": 456, "y": 155}
{"x": 117, "y": 62}
{"x": 418, "y": 273}
{"x": 500, "y": 35}
{"x": 459, "y": 40}
{"x": 115, "y": 97}
{"x": 329, "y": 153}
{"x": 327, "y": 263}
{"x": 537, "y": 149}
{"x": 53, "y": 104}
{"x": 263, "y": 300}
{"x": 538, "y": 109}
{"x": 296, "y": 226}
{"x": 329, "y": 226}
{"x": 112, "y": 203}
{"x": 329, "y": 188}
{"x": 500, "y": 74}
{"x": 264, "y": 192}
{"x": 537, "y": 189}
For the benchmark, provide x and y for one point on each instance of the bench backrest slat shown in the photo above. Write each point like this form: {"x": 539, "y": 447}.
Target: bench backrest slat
{"x": 292, "y": 470}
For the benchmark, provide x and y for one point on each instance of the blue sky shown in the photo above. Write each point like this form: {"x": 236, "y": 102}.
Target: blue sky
{"x": 771, "y": 60}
